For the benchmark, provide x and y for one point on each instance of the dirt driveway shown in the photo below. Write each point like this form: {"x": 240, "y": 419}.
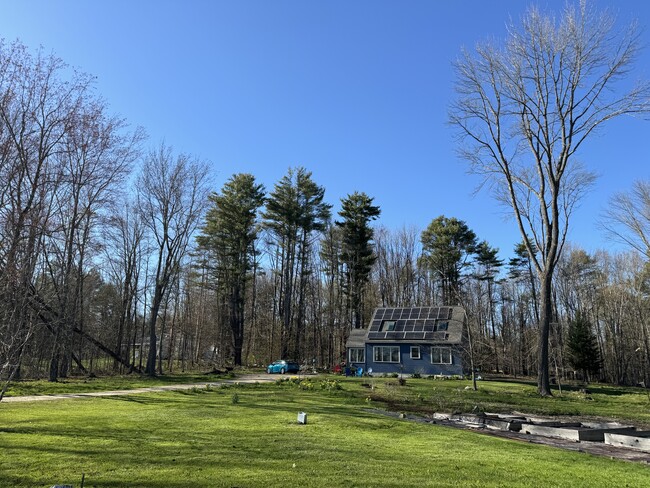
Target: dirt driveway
{"x": 247, "y": 378}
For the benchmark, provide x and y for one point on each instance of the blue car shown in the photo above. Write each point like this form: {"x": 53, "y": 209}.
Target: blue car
{"x": 282, "y": 367}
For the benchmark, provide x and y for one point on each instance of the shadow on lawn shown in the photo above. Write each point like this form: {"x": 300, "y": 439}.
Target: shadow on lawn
{"x": 608, "y": 390}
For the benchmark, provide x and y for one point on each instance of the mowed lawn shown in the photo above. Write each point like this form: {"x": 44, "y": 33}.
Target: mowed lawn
{"x": 247, "y": 436}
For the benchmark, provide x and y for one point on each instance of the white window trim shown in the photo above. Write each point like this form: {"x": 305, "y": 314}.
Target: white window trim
{"x": 448, "y": 351}
{"x": 419, "y": 355}
{"x": 374, "y": 354}
{"x": 357, "y": 349}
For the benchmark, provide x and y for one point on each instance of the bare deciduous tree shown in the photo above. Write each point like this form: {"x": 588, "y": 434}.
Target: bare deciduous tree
{"x": 36, "y": 104}
{"x": 628, "y": 217}
{"x": 524, "y": 110}
{"x": 173, "y": 196}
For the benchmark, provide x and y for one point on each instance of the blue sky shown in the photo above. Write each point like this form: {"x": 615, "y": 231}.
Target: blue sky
{"x": 355, "y": 91}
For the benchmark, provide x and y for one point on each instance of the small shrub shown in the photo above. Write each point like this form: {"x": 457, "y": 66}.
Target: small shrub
{"x": 308, "y": 384}
{"x": 235, "y": 398}
{"x": 330, "y": 385}
{"x": 401, "y": 381}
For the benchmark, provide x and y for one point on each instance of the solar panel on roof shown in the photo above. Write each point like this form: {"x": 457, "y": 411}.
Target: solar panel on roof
{"x": 414, "y": 335}
{"x": 421, "y": 318}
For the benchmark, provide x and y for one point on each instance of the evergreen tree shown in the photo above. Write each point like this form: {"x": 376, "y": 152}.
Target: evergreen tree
{"x": 295, "y": 210}
{"x": 584, "y": 354}
{"x": 229, "y": 234}
{"x": 522, "y": 275}
{"x": 357, "y": 252}
{"x": 489, "y": 264}
{"x": 447, "y": 245}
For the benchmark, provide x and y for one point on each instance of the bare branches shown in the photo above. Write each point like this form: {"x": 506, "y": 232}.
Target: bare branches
{"x": 524, "y": 110}
{"x": 628, "y": 217}
{"x": 173, "y": 196}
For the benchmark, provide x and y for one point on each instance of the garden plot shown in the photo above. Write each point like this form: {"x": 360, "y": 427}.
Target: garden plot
{"x": 599, "y": 438}
{"x": 635, "y": 440}
{"x": 543, "y": 426}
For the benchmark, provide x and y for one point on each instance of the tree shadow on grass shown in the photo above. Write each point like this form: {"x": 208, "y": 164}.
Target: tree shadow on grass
{"x": 608, "y": 390}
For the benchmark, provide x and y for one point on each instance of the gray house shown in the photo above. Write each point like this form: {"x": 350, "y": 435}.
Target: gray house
{"x": 424, "y": 340}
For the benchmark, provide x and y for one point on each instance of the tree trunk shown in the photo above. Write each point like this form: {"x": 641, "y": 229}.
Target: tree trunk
{"x": 543, "y": 383}
{"x": 150, "y": 369}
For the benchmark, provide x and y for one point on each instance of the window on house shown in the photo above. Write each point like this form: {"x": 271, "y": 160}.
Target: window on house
{"x": 441, "y": 355}
{"x": 388, "y": 325}
{"x": 386, "y": 354}
{"x": 357, "y": 355}
{"x": 415, "y": 352}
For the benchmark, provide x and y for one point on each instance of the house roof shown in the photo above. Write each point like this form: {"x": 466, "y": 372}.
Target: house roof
{"x": 419, "y": 325}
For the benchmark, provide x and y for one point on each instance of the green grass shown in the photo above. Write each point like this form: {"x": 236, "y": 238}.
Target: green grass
{"x": 106, "y": 383}
{"x": 426, "y": 396}
{"x": 206, "y": 438}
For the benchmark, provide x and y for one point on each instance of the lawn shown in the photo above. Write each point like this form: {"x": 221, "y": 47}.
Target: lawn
{"x": 247, "y": 436}
{"x": 427, "y": 395}
{"x": 106, "y": 383}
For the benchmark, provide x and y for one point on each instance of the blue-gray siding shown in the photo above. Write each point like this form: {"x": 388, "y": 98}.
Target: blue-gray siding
{"x": 411, "y": 366}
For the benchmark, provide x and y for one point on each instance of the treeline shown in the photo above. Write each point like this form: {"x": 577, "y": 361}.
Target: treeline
{"x": 118, "y": 258}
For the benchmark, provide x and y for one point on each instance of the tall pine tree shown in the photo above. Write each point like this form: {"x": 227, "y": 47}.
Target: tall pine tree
{"x": 357, "y": 252}
{"x": 295, "y": 211}
{"x": 447, "y": 245}
{"x": 489, "y": 264}
{"x": 229, "y": 233}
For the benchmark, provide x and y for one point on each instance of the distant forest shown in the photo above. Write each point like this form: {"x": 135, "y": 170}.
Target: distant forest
{"x": 117, "y": 257}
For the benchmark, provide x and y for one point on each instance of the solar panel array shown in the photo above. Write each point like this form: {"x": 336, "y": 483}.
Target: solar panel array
{"x": 411, "y": 323}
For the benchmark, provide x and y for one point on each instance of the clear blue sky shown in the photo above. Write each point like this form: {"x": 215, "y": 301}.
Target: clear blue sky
{"x": 355, "y": 91}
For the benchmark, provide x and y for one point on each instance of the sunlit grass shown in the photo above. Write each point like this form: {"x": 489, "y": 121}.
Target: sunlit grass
{"x": 427, "y": 395}
{"x": 105, "y": 383}
{"x": 202, "y": 438}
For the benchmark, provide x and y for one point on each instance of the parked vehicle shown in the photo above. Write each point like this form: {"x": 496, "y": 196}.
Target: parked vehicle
{"x": 283, "y": 366}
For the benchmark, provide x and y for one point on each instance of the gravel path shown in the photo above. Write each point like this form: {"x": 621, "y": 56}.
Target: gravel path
{"x": 249, "y": 378}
